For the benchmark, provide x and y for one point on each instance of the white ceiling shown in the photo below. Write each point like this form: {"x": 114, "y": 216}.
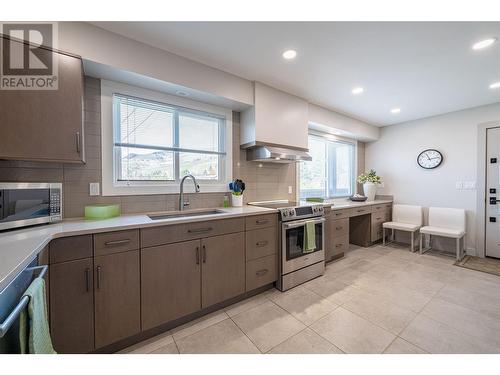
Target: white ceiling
{"x": 424, "y": 68}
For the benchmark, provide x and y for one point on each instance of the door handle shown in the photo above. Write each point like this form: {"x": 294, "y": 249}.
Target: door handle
{"x": 98, "y": 277}
{"x": 262, "y": 272}
{"x": 87, "y": 279}
{"x": 204, "y": 254}
{"x": 116, "y": 243}
{"x": 201, "y": 230}
{"x": 197, "y": 255}
{"x": 77, "y": 142}
{"x": 262, "y": 243}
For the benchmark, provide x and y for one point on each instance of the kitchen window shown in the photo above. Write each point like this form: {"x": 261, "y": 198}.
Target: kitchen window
{"x": 331, "y": 173}
{"x": 155, "y": 139}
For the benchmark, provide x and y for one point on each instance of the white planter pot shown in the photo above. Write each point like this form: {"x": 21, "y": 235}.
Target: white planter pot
{"x": 236, "y": 200}
{"x": 370, "y": 189}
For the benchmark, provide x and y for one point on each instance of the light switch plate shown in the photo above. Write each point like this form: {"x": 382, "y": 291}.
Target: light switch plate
{"x": 459, "y": 185}
{"x": 469, "y": 185}
{"x": 290, "y": 190}
{"x": 94, "y": 188}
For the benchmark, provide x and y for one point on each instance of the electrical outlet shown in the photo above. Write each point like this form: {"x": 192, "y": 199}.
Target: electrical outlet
{"x": 469, "y": 185}
{"x": 94, "y": 188}
{"x": 290, "y": 190}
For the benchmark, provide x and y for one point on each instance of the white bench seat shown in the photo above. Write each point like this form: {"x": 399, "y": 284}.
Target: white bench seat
{"x": 445, "y": 222}
{"x": 445, "y": 232}
{"x": 406, "y": 218}
{"x": 401, "y": 226}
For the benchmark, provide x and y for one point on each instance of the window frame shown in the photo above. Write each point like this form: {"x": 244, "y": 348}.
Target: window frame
{"x": 110, "y": 183}
{"x": 333, "y": 138}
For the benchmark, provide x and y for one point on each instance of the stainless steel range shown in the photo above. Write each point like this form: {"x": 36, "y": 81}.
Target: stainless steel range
{"x": 297, "y": 265}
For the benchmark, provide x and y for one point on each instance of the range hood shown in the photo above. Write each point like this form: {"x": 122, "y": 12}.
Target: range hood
{"x": 264, "y": 153}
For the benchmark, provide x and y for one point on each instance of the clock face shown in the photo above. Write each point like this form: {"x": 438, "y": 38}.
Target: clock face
{"x": 430, "y": 159}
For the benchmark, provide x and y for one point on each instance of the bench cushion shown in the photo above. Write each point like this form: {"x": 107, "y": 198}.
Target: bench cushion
{"x": 401, "y": 226}
{"x": 445, "y": 232}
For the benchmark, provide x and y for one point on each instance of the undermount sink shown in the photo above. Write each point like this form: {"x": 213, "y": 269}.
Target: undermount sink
{"x": 179, "y": 214}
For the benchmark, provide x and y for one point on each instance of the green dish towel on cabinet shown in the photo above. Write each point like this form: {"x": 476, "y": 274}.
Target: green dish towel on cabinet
{"x": 34, "y": 334}
{"x": 310, "y": 237}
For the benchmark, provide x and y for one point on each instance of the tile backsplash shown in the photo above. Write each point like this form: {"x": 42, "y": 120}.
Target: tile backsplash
{"x": 264, "y": 181}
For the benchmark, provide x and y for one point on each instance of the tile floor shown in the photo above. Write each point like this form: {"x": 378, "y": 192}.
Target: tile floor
{"x": 375, "y": 300}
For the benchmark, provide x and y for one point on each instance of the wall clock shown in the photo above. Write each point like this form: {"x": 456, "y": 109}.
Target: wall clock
{"x": 430, "y": 159}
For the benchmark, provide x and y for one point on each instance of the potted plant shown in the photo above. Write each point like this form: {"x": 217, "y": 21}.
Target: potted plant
{"x": 237, "y": 187}
{"x": 370, "y": 182}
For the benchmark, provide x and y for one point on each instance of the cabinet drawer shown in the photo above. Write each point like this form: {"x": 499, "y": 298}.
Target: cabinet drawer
{"x": 339, "y": 214}
{"x": 70, "y": 248}
{"x": 378, "y": 207}
{"x": 360, "y": 211}
{"x": 260, "y": 221}
{"x": 340, "y": 244}
{"x": 190, "y": 231}
{"x": 261, "y": 242}
{"x": 340, "y": 227}
{"x": 261, "y": 272}
{"x": 376, "y": 232}
{"x": 378, "y": 217}
{"x": 116, "y": 242}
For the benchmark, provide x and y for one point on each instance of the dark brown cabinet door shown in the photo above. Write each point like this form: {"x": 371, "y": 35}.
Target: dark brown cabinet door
{"x": 45, "y": 124}
{"x": 72, "y": 306}
{"x": 223, "y": 268}
{"x": 170, "y": 282}
{"x": 117, "y": 297}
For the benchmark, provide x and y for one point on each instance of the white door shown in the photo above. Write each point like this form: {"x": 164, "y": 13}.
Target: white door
{"x": 493, "y": 192}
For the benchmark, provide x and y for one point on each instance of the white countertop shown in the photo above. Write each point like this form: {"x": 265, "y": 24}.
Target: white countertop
{"x": 337, "y": 205}
{"x": 18, "y": 248}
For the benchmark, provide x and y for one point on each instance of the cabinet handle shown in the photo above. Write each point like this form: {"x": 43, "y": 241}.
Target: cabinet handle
{"x": 378, "y": 218}
{"x": 338, "y": 213}
{"x": 77, "y": 142}
{"x": 339, "y": 228}
{"x": 87, "y": 279}
{"x": 200, "y": 230}
{"x": 360, "y": 211}
{"x": 264, "y": 221}
{"x": 338, "y": 245}
{"x": 204, "y": 254}
{"x": 262, "y": 243}
{"x": 262, "y": 272}
{"x": 98, "y": 277}
{"x": 117, "y": 242}
{"x": 197, "y": 255}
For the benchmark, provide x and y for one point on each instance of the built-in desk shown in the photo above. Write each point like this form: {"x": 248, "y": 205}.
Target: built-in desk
{"x": 356, "y": 223}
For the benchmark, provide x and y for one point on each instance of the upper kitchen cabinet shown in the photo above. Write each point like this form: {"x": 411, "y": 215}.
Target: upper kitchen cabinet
{"x": 276, "y": 119}
{"x": 45, "y": 125}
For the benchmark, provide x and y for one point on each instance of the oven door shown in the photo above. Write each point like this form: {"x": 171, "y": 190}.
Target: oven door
{"x": 293, "y": 255}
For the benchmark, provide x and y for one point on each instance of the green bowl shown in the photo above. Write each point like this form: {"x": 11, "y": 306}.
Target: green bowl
{"x": 102, "y": 211}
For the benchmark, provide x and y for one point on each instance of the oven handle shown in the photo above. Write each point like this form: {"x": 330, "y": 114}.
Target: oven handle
{"x": 301, "y": 223}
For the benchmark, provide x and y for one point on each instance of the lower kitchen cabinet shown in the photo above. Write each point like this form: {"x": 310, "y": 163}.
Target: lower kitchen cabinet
{"x": 117, "y": 297}
{"x": 72, "y": 306}
{"x": 170, "y": 282}
{"x": 223, "y": 268}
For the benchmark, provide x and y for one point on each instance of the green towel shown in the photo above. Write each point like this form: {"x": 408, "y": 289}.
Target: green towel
{"x": 34, "y": 332}
{"x": 310, "y": 237}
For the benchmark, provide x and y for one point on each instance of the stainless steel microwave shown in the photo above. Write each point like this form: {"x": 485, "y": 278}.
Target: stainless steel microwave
{"x": 24, "y": 204}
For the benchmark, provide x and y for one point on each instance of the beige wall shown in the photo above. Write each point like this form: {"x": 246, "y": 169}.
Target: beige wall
{"x": 266, "y": 182}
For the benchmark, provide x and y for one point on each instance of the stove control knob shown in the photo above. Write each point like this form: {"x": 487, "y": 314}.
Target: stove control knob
{"x": 292, "y": 212}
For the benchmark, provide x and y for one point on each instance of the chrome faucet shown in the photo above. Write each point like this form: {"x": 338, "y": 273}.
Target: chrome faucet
{"x": 183, "y": 204}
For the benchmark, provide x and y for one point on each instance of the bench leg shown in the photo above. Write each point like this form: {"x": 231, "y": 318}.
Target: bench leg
{"x": 421, "y": 234}
{"x": 412, "y": 234}
{"x": 458, "y": 248}
{"x": 383, "y": 236}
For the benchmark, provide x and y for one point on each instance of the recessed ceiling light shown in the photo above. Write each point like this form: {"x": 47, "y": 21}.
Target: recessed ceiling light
{"x": 289, "y": 54}
{"x": 495, "y": 85}
{"x": 357, "y": 90}
{"x": 181, "y": 93}
{"x": 485, "y": 43}
{"x": 395, "y": 110}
